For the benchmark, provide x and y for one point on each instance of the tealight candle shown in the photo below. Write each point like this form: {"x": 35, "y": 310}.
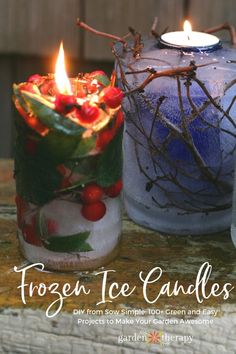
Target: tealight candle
{"x": 68, "y": 169}
{"x": 190, "y": 40}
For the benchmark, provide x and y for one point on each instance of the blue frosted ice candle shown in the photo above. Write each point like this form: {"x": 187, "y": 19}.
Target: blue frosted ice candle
{"x": 180, "y": 134}
{"x": 233, "y": 224}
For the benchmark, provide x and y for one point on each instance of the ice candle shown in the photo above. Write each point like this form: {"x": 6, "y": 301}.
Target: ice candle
{"x": 68, "y": 168}
{"x": 180, "y": 131}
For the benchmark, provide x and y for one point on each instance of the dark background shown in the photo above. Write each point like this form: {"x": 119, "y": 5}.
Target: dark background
{"x": 31, "y": 30}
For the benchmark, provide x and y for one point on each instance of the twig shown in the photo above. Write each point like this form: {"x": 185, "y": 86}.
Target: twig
{"x": 138, "y": 45}
{"x": 154, "y": 26}
{"x": 148, "y": 69}
{"x": 230, "y": 84}
{"x": 224, "y": 26}
{"x": 169, "y": 72}
{"x": 127, "y": 35}
{"x": 159, "y": 103}
{"x": 204, "y": 89}
{"x": 165, "y": 30}
{"x": 99, "y": 33}
{"x": 205, "y": 171}
{"x": 119, "y": 65}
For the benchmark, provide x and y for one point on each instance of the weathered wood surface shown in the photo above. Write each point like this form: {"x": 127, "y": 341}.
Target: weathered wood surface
{"x": 29, "y": 332}
{"x": 115, "y": 17}
{"x": 25, "y": 329}
{"x": 7, "y": 184}
{"x": 38, "y": 26}
{"x": 205, "y": 14}
{"x": 6, "y": 107}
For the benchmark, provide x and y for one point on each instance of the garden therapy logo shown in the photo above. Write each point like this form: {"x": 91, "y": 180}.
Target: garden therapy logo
{"x": 156, "y": 338}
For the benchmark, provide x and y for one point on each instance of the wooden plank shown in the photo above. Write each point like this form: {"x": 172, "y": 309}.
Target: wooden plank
{"x": 5, "y": 107}
{"x": 29, "y": 331}
{"x": 38, "y": 26}
{"x": 115, "y": 17}
{"x": 7, "y": 183}
{"x": 204, "y": 14}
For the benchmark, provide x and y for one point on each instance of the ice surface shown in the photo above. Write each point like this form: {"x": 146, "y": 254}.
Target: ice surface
{"x": 104, "y": 234}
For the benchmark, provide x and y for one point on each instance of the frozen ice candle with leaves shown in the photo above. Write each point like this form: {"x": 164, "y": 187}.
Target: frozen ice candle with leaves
{"x": 68, "y": 168}
{"x": 180, "y": 130}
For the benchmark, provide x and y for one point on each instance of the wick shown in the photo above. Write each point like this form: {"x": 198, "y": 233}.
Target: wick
{"x": 188, "y": 37}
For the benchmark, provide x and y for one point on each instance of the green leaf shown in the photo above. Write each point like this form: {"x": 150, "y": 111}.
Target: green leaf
{"x": 84, "y": 147}
{"x": 86, "y": 168}
{"x": 72, "y": 243}
{"x": 19, "y": 97}
{"x": 110, "y": 163}
{"x": 57, "y": 147}
{"x": 19, "y": 121}
{"x": 36, "y": 177}
{"x": 103, "y": 79}
{"x": 51, "y": 118}
{"x": 81, "y": 182}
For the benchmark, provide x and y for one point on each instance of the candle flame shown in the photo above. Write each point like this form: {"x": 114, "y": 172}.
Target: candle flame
{"x": 61, "y": 78}
{"x": 187, "y": 28}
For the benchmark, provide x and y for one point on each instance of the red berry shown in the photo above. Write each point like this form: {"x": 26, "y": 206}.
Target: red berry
{"x": 93, "y": 212}
{"x": 114, "y": 190}
{"x": 52, "y": 227}
{"x": 92, "y": 193}
{"x": 97, "y": 73}
{"x": 88, "y": 113}
{"x": 29, "y": 233}
{"x": 64, "y": 103}
{"x": 104, "y": 138}
{"x": 48, "y": 87}
{"x": 112, "y": 96}
{"x": 31, "y": 146}
{"x": 36, "y": 79}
